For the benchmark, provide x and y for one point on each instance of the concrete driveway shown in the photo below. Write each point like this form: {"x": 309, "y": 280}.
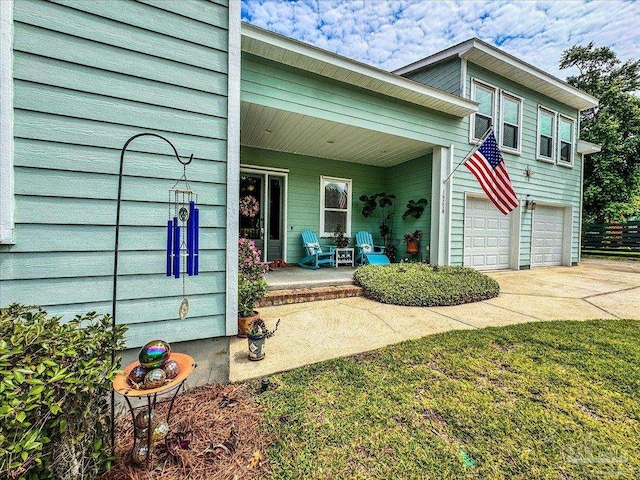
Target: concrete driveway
{"x": 316, "y": 331}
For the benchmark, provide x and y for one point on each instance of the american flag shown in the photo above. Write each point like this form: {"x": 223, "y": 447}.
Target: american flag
{"x": 487, "y": 165}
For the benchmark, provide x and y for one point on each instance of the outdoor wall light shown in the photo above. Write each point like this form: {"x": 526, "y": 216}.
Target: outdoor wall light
{"x": 529, "y": 203}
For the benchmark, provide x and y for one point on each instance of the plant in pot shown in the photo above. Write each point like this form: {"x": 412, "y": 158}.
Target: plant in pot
{"x": 412, "y": 239}
{"x": 380, "y": 206}
{"x": 257, "y": 336}
{"x": 252, "y": 286}
{"x": 339, "y": 237}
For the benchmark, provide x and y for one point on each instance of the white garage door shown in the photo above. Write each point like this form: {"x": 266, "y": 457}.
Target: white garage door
{"x": 486, "y": 236}
{"x": 548, "y": 229}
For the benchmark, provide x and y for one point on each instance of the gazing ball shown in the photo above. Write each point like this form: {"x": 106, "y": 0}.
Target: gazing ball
{"x": 140, "y": 453}
{"x": 160, "y": 431}
{"x": 171, "y": 368}
{"x": 136, "y": 376}
{"x": 142, "y": 419}
{"x": 154, "y": 354}
{"x": 155, "y": 378}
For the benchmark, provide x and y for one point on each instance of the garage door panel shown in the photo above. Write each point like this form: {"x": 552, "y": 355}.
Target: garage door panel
{"x": 486, "y": 236}
{"x": 547, "y": 234}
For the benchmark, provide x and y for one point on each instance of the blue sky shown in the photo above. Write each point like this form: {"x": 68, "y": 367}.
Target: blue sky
{"x": 393, "y": 33}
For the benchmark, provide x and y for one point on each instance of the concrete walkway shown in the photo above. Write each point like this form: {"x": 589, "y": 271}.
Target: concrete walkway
{"x": 316, "y": 331}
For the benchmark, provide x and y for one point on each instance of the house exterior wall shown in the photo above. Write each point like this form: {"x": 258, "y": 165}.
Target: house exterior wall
{"x": 444, "y": 76}
{"x": 278, "y": 86}
{"x": 549, "y": 183}
{"x": 552, "y": 184}
{"x": 303, "y": 209}
{"x": 87, "y": 76}
{"x": 411, "y": 181}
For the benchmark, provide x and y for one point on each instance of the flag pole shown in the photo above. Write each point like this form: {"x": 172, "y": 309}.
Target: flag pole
{"x": 473, "y": 149}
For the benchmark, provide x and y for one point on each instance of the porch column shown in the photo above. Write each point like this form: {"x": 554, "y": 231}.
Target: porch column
{"x": 441, "y": 207}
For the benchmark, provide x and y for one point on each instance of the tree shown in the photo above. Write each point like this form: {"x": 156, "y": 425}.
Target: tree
{"x": 611, "y": 177}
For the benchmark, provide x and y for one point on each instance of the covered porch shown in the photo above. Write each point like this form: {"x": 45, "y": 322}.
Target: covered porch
{"x": 312, "y": 121}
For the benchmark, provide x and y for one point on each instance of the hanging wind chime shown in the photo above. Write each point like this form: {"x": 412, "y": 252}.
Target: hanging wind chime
{"x": 183, "y": 237}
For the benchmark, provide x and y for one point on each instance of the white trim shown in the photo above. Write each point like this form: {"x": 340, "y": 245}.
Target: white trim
{"x": 278, "y": 173}
{"x": 440, "y": 204}
{"x": 7, "y": 200}
{"x": 515, "y": 234}
{"x": 494, "y": 108}
{"x": 517, "y": 98}
{"x": 291, "y": 52}
{"x": 570, "y": 120}
{"x": 450, "y": 203}
{"x": 233, "y": 168}
{"x": 580, "y": 206}
{"x": 586, "y": 148}
{"x": 348, "y": 208}
{"x": 260, "y": 169}
{"x": 463, "y": 78}
{"x": 508, "y": 66}
{"x": 567, "y": 232}
{"x": 554, "y": 132}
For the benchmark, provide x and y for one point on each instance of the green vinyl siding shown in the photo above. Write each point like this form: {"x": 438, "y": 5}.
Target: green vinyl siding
{"x": 411, "y": 181}
{"x": 443, "y": 76}
{"x": 303, "y": 207}
{"x": 87, "y": 76}
{"x": 286, "y": 88}
{"x": 408, "y": 180}
{"x": 550, "y": 184}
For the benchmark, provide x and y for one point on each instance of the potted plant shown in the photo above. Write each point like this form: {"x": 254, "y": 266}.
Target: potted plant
{"x": 252, "y": 286}
{"x": 380, "y": 206}
{"x": 257, "y": 336}
{"x": 340, "y": 238}
{"x": 412, "y": 239}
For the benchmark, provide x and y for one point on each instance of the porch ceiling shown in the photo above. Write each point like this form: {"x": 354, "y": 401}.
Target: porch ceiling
{"x": 283, "y": 131}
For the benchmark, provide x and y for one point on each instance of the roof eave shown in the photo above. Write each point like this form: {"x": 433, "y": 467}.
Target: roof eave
{"x": 555, "y": 87}
{"x": 301, "y": 55}
{"x": 587, "y": 148}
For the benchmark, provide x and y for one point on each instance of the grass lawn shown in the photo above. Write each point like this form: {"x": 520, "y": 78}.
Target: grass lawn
{"x": 556, "y": 400}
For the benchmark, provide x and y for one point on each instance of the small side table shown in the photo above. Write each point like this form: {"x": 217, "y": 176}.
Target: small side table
{"x": 143, "y": 436}
{"x": 344, "y": 256}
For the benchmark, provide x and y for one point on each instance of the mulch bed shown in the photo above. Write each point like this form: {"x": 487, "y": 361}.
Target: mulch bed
{"x": 222, "y": 424}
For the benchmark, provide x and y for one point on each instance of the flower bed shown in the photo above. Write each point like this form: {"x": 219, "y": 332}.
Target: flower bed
{"x": 423, "y": 285}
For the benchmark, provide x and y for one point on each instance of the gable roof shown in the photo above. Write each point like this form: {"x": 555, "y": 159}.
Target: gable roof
{"x": 487, "y": 56}
{"x": 281, "y": 49}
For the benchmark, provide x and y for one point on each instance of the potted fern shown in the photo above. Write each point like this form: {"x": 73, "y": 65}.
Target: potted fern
{"x": 257, "y": 336}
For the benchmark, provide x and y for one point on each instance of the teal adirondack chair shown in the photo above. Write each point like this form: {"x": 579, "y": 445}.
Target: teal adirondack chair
{"x": 316, "y": 256}
{"x": 368, "y": 253}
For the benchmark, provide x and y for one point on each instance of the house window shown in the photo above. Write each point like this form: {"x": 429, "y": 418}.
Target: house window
{"x": 546, "y": 126}
{"x": 335, "y": 205}
{"x": 511, "y": 121}
{"x": 565, "y": 137}
{"x": 484, "y": 117}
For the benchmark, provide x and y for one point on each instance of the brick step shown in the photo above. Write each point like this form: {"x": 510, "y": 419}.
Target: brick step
{"x": 301, "y": 295}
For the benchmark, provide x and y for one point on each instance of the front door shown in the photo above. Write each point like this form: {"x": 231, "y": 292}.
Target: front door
{"x": 261, "y": 212}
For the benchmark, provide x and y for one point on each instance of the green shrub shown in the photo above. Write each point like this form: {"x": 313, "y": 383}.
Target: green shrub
{"x": 54, "y": 393}
{"x": 417, "y": 284}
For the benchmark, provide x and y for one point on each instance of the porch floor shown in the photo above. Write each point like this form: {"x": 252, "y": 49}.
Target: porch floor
{"x": 294, "y": 277}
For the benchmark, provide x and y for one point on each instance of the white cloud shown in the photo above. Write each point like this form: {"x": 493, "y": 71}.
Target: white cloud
{"x": 393, "y": 33}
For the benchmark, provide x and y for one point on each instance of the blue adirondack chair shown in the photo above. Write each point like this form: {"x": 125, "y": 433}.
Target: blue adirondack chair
{"x": 317, "y": 255}
{"x": 368, "y": 253}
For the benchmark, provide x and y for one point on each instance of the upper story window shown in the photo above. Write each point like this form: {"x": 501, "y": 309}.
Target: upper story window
{"x": 511, "y": 121}
{"x": 484, "y": 118}
{"x": 566, "y": 143}
{"x": 546, "y": 128}
{"x": 335, "y": 205}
